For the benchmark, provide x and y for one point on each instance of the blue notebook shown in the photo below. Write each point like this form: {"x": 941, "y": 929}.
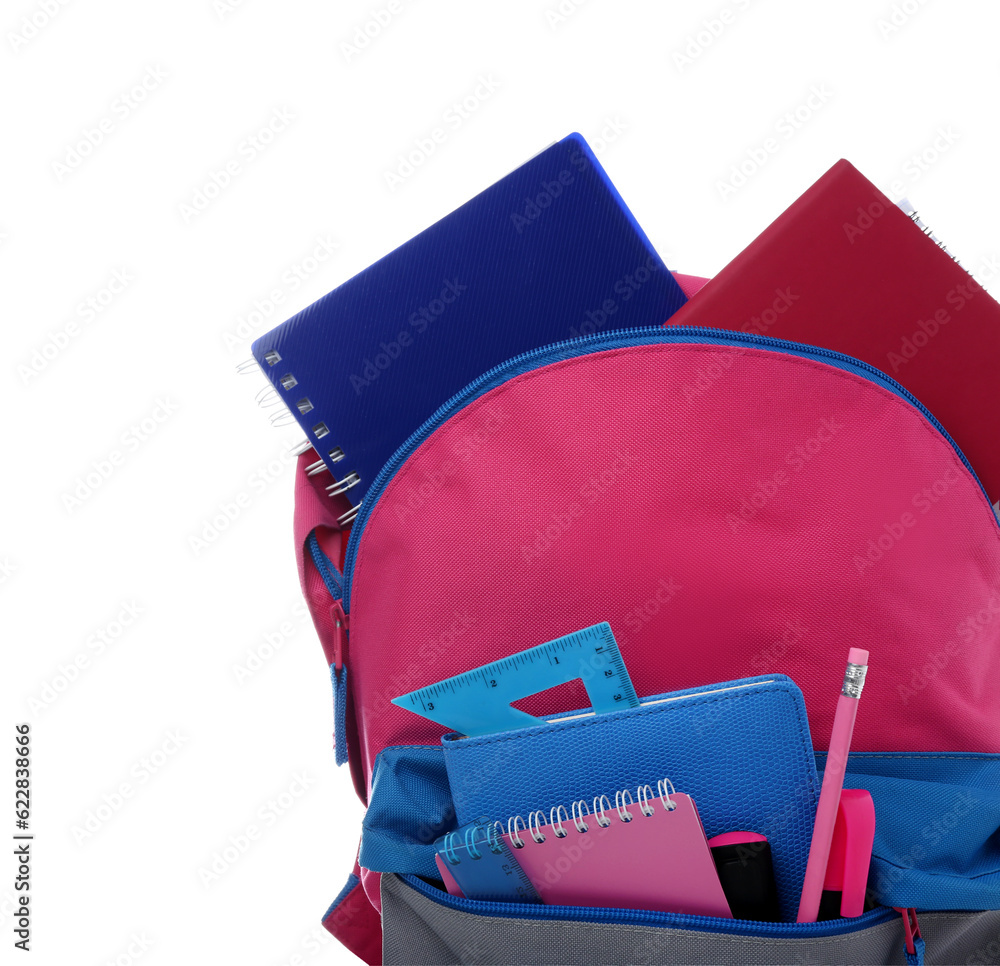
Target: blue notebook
{"x": 547, "y": 253}
{"x": 741, "y": 750}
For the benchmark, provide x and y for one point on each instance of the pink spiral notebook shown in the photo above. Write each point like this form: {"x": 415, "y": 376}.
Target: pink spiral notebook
{"x": 659, "y": 860}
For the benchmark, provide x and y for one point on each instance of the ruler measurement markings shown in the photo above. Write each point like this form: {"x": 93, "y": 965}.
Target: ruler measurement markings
{"x": 548, "y": 665}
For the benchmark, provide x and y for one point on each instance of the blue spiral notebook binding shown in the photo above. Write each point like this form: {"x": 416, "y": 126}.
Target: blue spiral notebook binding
{"x": 547, "y": 253}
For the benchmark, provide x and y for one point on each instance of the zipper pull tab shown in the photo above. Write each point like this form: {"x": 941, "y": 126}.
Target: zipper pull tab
{"x": 338, "y": 677}
{"x": 340, "y": 628}
{"x": 914, "y": 942}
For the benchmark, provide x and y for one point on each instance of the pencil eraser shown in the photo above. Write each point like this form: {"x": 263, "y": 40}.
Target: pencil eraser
{"x": 858, "y": 655}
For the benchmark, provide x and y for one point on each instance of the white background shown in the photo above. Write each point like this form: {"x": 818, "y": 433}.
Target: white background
{"x": 670, "y": 105}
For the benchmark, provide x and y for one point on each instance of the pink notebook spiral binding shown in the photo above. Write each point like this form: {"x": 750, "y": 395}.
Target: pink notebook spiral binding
{"x": 644, "y": 853}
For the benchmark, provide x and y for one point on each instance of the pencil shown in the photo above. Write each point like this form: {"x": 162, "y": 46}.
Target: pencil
{"x": 833, "y": 783}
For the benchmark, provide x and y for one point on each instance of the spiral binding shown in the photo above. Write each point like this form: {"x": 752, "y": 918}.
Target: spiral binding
{"x": 491, "y": 839}
{"x": 281, "y": 419}
{"x": 335, "y": 456}
{"x": 907, "y": 208}
{"x": 303, "y": 406}
{"x": 269, "y": 396}
{"x": 303, "y": 447}
{"x": 342, "y": 486}
{"x": 349, "y": 517}
{"x": 579, "y": 811}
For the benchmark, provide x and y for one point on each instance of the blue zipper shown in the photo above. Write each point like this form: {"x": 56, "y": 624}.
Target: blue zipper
{"x": 324, "y": 565}
{"x": 651, "y": 335}
{"x": 638, "y": 917}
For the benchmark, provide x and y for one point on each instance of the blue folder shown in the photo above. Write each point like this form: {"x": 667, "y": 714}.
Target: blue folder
{"x": 547, "y": 253}
{"x": 741, "y": 750}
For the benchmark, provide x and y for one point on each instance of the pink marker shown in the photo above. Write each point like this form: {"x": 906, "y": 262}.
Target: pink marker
{"x": 833, "y": 784}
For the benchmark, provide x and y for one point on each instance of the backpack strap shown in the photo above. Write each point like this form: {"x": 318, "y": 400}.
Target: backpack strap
{"x": 319, "y": 547}
{"x": 354, "y": 921}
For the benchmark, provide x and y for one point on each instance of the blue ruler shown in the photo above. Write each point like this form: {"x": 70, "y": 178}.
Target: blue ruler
{"x": 484, "y": 867}
{"x": 479, "y": 702}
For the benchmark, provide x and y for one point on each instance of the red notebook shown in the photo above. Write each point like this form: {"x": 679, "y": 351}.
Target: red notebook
{"x": 844, "y": 268}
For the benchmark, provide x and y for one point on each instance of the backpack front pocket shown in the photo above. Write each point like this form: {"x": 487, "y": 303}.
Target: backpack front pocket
{"x": 424, "y": 926}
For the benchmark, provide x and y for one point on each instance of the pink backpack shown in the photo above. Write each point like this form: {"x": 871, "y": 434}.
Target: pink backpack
{"x": 733, "y": 506}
